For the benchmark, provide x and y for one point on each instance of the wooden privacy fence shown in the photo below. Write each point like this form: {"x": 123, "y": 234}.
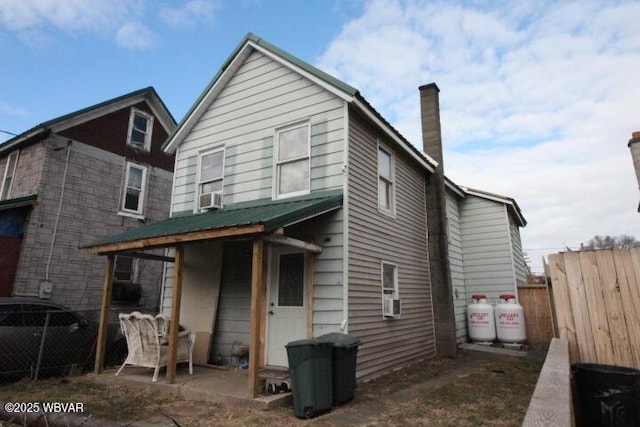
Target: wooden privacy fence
{"x": 597, "y": 304}
{"x": 534, "y": 300}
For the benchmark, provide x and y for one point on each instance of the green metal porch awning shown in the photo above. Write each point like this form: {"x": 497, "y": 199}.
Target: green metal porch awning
{"x": 254, "y": 217}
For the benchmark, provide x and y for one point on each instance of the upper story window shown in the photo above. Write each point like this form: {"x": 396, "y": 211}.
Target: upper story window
{"x": 9, "y": 173}
{"x": 385, "y": 180}
{"x": 133, "y": 192}
{"x": 140, "y": 129}
{"x": 210, "y": 178}
{"x": 292, "y": 175}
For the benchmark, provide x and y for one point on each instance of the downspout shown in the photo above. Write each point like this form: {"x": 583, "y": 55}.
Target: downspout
{"x": 46, "y": 287}
{"x": 344, "y": 326}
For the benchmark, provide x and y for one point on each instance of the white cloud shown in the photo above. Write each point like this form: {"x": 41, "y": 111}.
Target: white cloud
{"x": 32, "y": 20}
{"x": 537, "y": 101}
{"x": 189, "y": 13}
{"x": 136, "y": 36}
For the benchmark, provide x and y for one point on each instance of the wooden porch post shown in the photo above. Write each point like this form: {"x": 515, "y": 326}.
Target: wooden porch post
{"x": 104, "y": 314}
{"x": 174, "y": 326}
{"x": 257, "y": 302}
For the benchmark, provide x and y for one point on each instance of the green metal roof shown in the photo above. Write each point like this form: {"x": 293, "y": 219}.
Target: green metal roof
{"x": 271, "y": 214}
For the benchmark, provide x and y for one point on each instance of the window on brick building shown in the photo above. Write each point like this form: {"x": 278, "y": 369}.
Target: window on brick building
{"x": 9, "y": 173}
{"x": 134, "y": 188}
{"x": 140, "y": 129}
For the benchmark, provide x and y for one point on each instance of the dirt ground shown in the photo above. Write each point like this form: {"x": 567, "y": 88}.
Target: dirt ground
{"x": 474, "y": 389}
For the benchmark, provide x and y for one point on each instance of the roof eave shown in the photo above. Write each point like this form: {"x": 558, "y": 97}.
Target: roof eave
{"x": 501, "y": 199}
{"x": 25, "y": 139}
{"x": 423, "y": 159}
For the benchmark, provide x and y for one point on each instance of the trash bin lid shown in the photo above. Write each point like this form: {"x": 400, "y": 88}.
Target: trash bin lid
{"x": 301, "y": 343}
{"x": 339, "y": 339}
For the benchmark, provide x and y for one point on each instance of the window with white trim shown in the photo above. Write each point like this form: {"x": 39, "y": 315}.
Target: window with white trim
{"x": 385, "y": 180}
{"x": 125, "y": 269}
{"x": 9, "y": 173}
{"x": 292, "y": 175}
{"x": 210, "y": 174}
{"x": 389, "y": 280}
{"x": 134, "y": 188}
{"x": 140, "y": 130}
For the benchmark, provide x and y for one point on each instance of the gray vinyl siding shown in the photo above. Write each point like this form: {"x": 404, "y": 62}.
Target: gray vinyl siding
{"x": 262, "y": 96}
{"x": 456, "y": 264}
{"x": 486, "y": 248}
{"x": 518, "y": 255}
{"x": 375, "y": 237}
{"x": 234, "y": 310}
{"x": 328, "y": 290}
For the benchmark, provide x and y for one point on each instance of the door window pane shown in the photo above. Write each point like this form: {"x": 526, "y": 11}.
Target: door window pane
{"x": 291, "y": 283}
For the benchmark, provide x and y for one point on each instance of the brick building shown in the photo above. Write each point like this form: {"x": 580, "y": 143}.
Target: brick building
{"x": 76, "y": 178}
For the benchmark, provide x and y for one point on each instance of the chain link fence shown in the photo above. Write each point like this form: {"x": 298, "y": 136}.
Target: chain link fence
{"x": 40, "y": 340}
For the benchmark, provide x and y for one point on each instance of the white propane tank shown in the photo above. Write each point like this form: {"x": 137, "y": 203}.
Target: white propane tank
{"x": 510, "y": 321}
{"x": 480, "y": 320}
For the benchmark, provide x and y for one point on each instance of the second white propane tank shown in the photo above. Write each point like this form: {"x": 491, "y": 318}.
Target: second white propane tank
{"x": 480, "y": 320}
{"x": 510, "y": 326}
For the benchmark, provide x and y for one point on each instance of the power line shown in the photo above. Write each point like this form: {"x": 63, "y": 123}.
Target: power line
{"x": 8, "y": 133}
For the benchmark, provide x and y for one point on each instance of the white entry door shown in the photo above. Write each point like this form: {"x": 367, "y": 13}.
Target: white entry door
{"x": 287, "y": 304}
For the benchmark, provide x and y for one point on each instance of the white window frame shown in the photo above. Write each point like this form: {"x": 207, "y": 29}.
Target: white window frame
{"x": 391, "y": 181}
{"x": 393, "y": 294}
{"x": 134, "y": 269}
{"x": 136, "y": 213}
{"x": 5, "y": 195}
{"x": 277, "y": 163}
{"x": 148, "y": 134}
{"x": 200, "y": 182}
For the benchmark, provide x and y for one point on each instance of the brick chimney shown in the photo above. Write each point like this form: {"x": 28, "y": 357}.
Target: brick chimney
{"x": 634, "y": 147}
{"x": 437, "y": 228}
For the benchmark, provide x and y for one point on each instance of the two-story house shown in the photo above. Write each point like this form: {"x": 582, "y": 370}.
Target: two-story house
{"x": 74, "y": 179}
{"x": 298, "y": 210}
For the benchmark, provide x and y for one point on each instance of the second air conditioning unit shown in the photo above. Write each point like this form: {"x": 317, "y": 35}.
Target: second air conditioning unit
{"x": 391, "y": 307}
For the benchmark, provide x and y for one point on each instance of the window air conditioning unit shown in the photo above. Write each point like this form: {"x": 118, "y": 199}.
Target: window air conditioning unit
{"x": 211, "y": 200}
{"x": 391, "y": 307}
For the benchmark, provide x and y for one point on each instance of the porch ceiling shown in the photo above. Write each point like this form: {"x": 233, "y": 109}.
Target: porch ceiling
{"x": 246, "y": 218}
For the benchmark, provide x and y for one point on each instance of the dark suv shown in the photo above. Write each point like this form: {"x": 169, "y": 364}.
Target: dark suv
{"x": 38, "y": 336}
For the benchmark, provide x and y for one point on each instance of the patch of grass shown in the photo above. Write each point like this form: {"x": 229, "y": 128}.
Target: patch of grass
{"x": 496, "y": 395}
{"x": 116, "y": 403}
{"x": 485, "y": 390}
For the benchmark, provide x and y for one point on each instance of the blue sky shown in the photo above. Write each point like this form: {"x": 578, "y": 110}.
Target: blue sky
{"x": 538, "y": 98}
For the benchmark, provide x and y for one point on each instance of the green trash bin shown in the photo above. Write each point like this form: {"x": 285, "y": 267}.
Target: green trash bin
{"x": 310, "y": 370}
{"x": 344, "y": 361}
